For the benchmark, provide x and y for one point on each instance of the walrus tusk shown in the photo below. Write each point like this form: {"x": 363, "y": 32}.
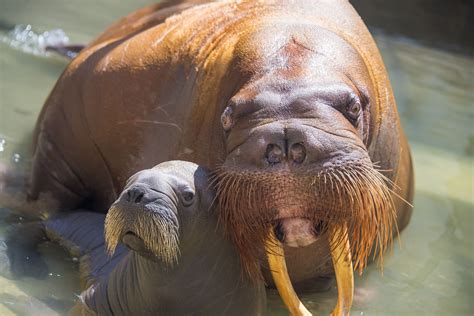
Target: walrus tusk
{"x": 276, "y": 261}
{"x": 341, "y": 258}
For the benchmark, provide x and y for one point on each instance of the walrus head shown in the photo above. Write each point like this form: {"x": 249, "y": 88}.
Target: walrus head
{"x": 153, "y": 208}
{"x": 297, "y": 136}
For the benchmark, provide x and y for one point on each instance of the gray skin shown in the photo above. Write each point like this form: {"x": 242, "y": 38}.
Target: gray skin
{"x": 207, "y": 278}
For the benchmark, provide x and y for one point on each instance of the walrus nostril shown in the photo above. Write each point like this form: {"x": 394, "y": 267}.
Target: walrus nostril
{"x": 274, "y": 154}
{"x": 298, "y": 153}
{"x": 135, "y": 195}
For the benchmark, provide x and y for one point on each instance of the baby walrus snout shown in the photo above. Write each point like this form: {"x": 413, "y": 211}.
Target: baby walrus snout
{"x": 140, "y": 194}
{"x": 146, "y": 200}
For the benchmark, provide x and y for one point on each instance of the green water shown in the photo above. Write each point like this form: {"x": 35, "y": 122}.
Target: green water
{"x": 431, "y": 273}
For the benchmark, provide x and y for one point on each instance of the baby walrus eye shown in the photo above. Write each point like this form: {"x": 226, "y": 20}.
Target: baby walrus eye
{"x": 187, "y": 197}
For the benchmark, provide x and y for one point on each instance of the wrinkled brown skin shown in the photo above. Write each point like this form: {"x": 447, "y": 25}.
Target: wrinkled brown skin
{"x": 149, "y": 90}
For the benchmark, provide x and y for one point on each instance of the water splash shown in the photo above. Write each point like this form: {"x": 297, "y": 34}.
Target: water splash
{"x": 25, "y": 39}
{"x": 2, "y": 144}
{"x": 16, "y": 158}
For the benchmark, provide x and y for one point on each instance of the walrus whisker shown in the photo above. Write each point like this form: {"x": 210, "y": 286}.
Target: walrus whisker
{"x": 213, "y": 179}
{"x": 356, "y": 194}
{"x": 382, "y": 236}
{"x": 158, "y": 232}
{"x": 394, "y": 192}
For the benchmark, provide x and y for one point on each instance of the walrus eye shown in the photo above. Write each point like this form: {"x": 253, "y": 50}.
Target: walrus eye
{"x": 353, "y": 110}
{"x": 187, "y": 197}
{"x": 226, "y": 119}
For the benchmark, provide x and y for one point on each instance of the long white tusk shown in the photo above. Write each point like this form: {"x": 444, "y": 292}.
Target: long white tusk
{"x": 276, "y": 261}
{"x": 341, "y": 258}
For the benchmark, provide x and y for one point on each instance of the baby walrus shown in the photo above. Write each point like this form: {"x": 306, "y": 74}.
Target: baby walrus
{"x": 178, "y": 261}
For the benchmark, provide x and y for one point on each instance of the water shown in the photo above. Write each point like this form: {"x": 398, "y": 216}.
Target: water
{"x": 431, "y": 273}
{"x": 24, "y": 38}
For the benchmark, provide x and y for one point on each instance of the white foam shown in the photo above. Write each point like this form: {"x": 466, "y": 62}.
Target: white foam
{"x": 24, "y": 38}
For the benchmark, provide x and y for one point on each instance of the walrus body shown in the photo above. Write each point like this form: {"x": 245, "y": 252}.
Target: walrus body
{"x": 179, "y": 262}
{"x": 289, "y": 95}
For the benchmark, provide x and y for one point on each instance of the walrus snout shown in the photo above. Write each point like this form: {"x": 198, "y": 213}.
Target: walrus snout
{"x": 298, "y": 232}
{"x": 295, "y": 144}
{"x": 140, "y": 193}
{"x": 144, "y": 218}
{"x": 134, "y": 195}
{"x": 275, "y": 154}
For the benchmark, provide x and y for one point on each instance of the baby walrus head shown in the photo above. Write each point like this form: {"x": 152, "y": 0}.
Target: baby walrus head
{"x": 155, "y": 206}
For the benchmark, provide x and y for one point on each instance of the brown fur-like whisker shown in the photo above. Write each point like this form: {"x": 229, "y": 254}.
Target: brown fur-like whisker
{"x": 395, "y": 187}
{"x": 239, "y": 197}
{"x": 353, "y": 193}
{"x": 159, "y": 232}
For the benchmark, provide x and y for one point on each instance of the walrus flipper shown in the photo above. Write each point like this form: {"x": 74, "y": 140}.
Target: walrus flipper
{"x": 82, "y": 234}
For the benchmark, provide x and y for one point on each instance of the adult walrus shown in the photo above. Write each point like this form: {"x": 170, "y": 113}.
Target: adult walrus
{"x": 287, "y": 101}
{"x": 180, "y": 263}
